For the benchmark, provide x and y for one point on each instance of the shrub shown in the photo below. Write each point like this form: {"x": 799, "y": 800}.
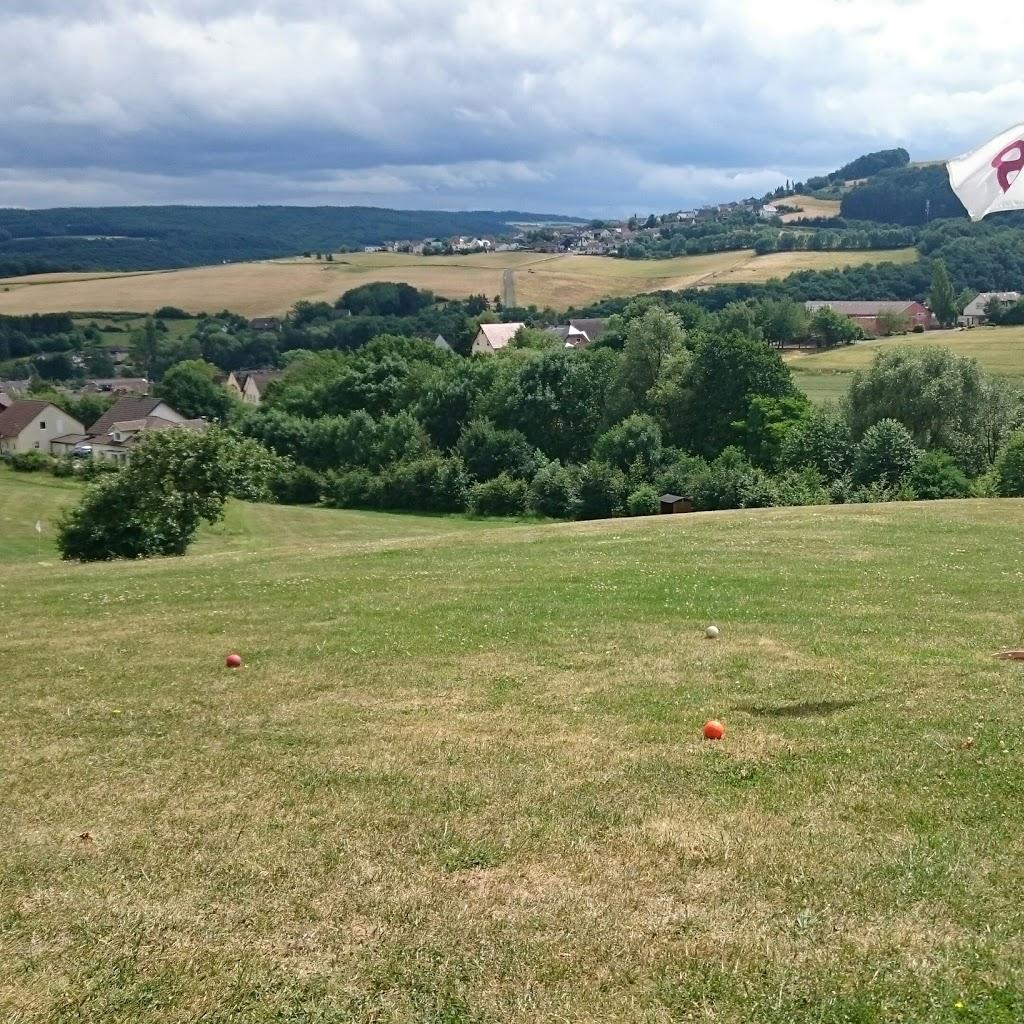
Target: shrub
{"x": 1008, "y": 471}
{"x": 821, "y": 442}
{"x": 95, "y": 468}
{"x": 554, "y": 491}
{"x": 502, "y": 496}
{"x": 175, "y": 480}
{"x": 31, "y": 462}
{"x": 354, "y": 488}
{"x": 488, "y": 452}
{"x": 643, "y": 501}
{"x": 432, "y": 484}
{"x": 296, "y": 485}
{"x": 885, "y": 455}
{"x": 601, "y": 491}
{"x": 636, "y": 437}
{"x": 724, "y": 483}
{"x": 937, "y": 476}
{"x": 64, "y": 467}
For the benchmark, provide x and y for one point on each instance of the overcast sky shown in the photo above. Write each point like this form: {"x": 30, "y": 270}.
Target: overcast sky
{"x": 593, "y": 107}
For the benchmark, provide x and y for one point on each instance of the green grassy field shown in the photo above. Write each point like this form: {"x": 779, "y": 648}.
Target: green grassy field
{"x": 460, "y": 778}
{"x": 825, "y": 376}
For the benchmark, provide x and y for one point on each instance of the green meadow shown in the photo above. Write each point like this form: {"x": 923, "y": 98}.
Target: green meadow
{"x": 460, "y": 777}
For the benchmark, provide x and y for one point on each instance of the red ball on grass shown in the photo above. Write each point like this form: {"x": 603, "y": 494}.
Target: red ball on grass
{"x": 713, "y": 730}
{"x": 233, "y": 661}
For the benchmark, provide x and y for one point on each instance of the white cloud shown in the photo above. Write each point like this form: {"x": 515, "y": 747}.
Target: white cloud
{"x": 591, "y": 105}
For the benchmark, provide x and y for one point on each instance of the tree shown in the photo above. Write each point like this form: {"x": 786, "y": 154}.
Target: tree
{"x": 1009, "y": 468}
{"x": 885, "y": 455}
{"x": 782, "y": 321}
{"x": 489, "y": 452}
{"x": 890, "y": 322}
{"x": 175, "y": 480}
{"x": 941, "y": 297}
{"x": 601, "y": 491}
{"x": 821, "y": 442}
{"x": 651, "y": 341}
{"x": 146, "y": 347}
{"x": 937, "y": 395}
{"x": 829, "y": 328}
{"x": 726, "y": 373}
{"x": 191, "y": 388}
{"x": 554, "y": 491}
{"x": 636, "y": 437}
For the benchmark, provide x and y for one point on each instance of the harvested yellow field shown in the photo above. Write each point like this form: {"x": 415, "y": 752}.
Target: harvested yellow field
{"x": 272, "y": 287}
{"x": 810, "y": 207}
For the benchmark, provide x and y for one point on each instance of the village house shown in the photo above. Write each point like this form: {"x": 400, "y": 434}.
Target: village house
{"x": 975, "y": 314}
{"x": 768, "y": 211}
{"x": 580, "y": 333}
{"x": 255, "y": 385}
{"x": 493, "y": 338}
{"x": 265, "y": 323}
{"x": 866, "y": 313}
{"x": 32, "y": 425}
{"x": 113, "y": 434}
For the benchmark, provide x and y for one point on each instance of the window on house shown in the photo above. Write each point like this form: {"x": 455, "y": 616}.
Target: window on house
{"x": 42, "y": 424}
{"x": 37, "y": 444}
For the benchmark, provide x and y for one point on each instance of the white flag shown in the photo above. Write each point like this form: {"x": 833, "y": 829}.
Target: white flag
{"x": 39, "y": 526}
{"x": 988, "y": 179}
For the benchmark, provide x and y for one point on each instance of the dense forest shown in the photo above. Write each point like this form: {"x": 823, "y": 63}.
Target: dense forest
{"x": 904, "y": 195}
{"x": 165, "y": 237}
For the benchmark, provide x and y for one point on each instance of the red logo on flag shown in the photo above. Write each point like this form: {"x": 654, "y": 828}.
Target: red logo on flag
{"x": 1005, "y": 164}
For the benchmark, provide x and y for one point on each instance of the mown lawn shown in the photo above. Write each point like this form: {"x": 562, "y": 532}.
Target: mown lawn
{"x": 460, "y": 778}
{"x": 824, "y": 376}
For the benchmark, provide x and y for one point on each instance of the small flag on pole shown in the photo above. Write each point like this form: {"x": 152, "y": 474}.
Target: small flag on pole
{"x": 988, "y": 179}
{"x": 39, "y": 526}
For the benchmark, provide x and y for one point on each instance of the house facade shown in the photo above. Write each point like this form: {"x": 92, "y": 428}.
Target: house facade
{"x": 974, "y": 312}
{"x": 31, "y": 425}
{"x": 866, "y": 314}
{"x": 255, "y": 385}
{"x": 493, "y": 338}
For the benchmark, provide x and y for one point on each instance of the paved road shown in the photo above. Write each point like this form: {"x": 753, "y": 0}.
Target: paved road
{"x": 508, "y": 288}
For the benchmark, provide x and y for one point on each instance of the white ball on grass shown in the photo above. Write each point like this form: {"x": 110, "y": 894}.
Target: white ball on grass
{"x": 711, "y": 632}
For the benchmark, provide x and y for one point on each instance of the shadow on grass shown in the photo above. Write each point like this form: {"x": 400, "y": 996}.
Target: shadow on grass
{"x": 800, "y": 709}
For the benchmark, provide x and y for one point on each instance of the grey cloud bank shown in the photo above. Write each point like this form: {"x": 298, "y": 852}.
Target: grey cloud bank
{"x": 601, "y": 107}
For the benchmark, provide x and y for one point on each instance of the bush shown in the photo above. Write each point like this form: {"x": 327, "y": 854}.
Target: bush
{"x": 554, "y": 491}
{"x": 176, "y": 479}
{"x": 502, "y": 496}
{"x": 937, "y": 476}
{"x": 821, "y": 442}
{"x": 601, "y": 491}
{"x": 885, "y": 455}
{"x": 432, "y": 484}
{"x": 355, "y": 488}
{"x": 643, "y": 502}
{"x": 64, "y": 467}
{"x": 31, "y": 462}
{"x": 725, "y": 483}
{"x": 488, "y": 452}
{"x": 636, "y": 437}
{"x": 297, "y": 485}
{"x": 95, "y": 468}
{"x": 1008, "y": 471}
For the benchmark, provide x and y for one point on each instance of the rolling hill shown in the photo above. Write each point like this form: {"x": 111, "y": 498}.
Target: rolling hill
{"x": 273, "y": 287}
{"x": 460, "y": 777}
{"x": 165, "y": 237}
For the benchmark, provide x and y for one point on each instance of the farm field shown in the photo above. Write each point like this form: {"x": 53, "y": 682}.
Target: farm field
{"x": 826, "y": 375}
{"x": 460, "y": 777}
{"x": 812, "y": 206}
{"x": 273, "y": 287}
